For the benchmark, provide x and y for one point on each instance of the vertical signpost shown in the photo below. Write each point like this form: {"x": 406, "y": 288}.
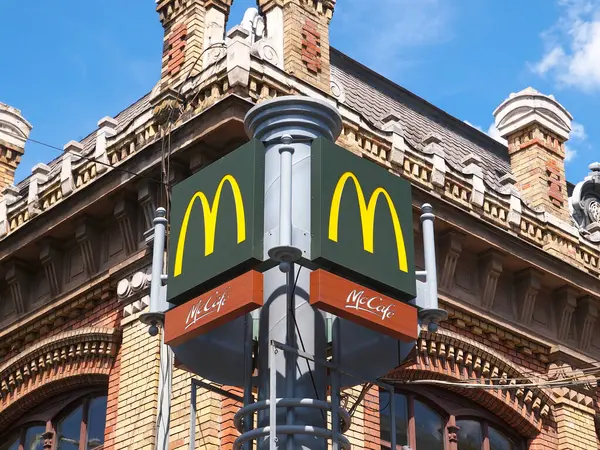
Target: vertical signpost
{"x": 295, "y": 226}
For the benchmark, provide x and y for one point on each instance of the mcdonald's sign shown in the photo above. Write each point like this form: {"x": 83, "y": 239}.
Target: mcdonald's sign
{"x": 361, "y": 221}
{"x": 216, "y": 223}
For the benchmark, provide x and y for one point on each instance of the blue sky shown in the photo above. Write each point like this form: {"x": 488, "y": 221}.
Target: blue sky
{"x": 66, "y": 64}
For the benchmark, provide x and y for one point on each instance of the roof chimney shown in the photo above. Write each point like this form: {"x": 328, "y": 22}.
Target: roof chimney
{"x": 302, "y": 31}
{"x": 14, "y": 131}
{"x": 537, "y": 127}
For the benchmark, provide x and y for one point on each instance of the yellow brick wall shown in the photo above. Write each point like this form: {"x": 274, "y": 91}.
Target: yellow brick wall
{"x": 575, "y": 427}
{"x": 138, "y": 389}
{"x": 208, "y": 414}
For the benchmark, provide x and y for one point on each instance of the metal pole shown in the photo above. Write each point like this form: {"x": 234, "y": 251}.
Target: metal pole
{"x": 290, "y": 358}
{"x": 193, "y": 416}
{"x": 272, "y": 398}
{"x": 157, "y": 307}
{"x": 335, "y": 386}
{"x": 285, "y": 200}
{"x": 158, "y": 249}
{"x": 427, "y": 218}
{"x": 392, "y": 419}
{"x": 248, "y": 374}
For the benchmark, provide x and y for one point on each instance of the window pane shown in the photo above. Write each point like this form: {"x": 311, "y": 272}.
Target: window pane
{"x": 11, "y": 445}
{"x": 429, "y": 427}
{"x": 33, "y": 438}
{"x": 96, "y": 422}
{"x": 401, "y": 418}
{"x": 69, "y": 430}
{"x": 498, "y": 441}
{"x": 469, "y": 435}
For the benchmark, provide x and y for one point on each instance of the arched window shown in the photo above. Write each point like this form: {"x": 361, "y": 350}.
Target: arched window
{"x": 71, "y": 424}
{"x": 437, "y": 420}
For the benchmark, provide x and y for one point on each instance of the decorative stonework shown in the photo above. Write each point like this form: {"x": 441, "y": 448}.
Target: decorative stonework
{"x": 13, "y": 338}
{"x": 490, "y": 269}
{"x": 134, "y": 290}
{"x": 473, "y": 323}
{"x": 450, "y": 356}
{"x": 69, "y": 354}
{"x": 584, "y": 204}
{"x": 451, "y": 248}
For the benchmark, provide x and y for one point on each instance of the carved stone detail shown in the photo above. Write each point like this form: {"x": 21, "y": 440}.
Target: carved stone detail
{"x": 528, "y": 284}
{"x": 17, "y": 279}
{"x": 587, "y": 314}
{"x": 52, "y": 260}
{"x": 88, "y": 240}
{"x": 451, "y": 247}
{"x": 147, "y": 200}
{"x": 490, "y": 263}
{"x": 125, "y": 214}
{"x": 566, "y": 302}
{"x": 584, "y": 204}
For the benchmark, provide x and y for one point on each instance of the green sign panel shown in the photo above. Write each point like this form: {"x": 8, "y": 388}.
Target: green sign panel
{"x": 216, "y": 223}
{"x": 362, "y": 221}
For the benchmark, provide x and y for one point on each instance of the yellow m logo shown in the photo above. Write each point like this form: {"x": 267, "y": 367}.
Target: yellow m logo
{"x": 367, "y": 217}
{"x": 210, "y": 213}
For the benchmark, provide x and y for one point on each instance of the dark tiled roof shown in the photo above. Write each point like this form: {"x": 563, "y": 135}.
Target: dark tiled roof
{"x": 375, "y": 98}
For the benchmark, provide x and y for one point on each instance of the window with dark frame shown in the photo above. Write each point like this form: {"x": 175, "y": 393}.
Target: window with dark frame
{"x": 78, "y": 426}
{"x": 423, "y": 424}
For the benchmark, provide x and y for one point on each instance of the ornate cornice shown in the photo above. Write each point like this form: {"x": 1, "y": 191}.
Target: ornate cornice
{"x": 55, "y": 361}
{"x": 452, "y": 357}
{"x": 53, "y": 316}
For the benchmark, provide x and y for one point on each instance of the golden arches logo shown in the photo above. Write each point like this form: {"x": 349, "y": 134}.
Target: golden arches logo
{"x": 210, "y": 213}
{"x": 367, "y": 217}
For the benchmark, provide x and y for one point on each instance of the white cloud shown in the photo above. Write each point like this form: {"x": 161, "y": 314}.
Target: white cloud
{"x": 578, "y": 131}
{"x": 572, "y": 57}
{"x": 552, "y": 59}
{"x": 494, "y": 133}
{"x": 391, "y": 40}
{"x": 569, "y": 153}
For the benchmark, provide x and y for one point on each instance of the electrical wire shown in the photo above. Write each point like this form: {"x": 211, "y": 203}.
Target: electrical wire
{"x": 312, "y": 378}
{"x": 91, "y": 159}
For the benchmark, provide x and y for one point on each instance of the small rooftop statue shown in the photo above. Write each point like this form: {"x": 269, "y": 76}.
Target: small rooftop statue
{"x": 584, "y": 204}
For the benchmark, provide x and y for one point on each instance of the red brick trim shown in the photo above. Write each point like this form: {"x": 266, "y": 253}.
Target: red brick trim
{"x": 311, "y": 46}
{"x": 54, "y": 365}
{"x": 39, "y": 390}
{"x": 448, "y": 356}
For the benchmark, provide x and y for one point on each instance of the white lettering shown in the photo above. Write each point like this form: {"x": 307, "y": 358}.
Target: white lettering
{"x": 372, "y": 305}
{"x": 203, "y": 308}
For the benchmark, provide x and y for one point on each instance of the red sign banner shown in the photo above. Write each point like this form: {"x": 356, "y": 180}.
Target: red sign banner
{"x": 214, "y": 308}
{"x": 363, "y": 306}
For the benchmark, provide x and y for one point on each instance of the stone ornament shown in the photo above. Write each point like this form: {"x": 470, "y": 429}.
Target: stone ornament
{"x": 584, "y": 205}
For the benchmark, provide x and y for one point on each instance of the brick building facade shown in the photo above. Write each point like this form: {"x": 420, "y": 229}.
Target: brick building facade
{"x": 518, "y": 272}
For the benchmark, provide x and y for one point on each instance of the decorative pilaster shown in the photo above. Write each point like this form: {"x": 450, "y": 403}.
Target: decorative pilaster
{"x": 107, "y": 129}
{"x": 528, "y": 284}
{"x": 392, "y": 125}
{"x": 587, "y": 315}
{"x": 39, "y": 175}
{"x": 125, "y": 214}
{"x": 432, "y": 147}
{"x": 566, "y": 302}
{"x": 490, "y": 268}
{"x": 472, "y": 167}
{"x": 17, "y": 279}
{"x": 147, "y": 200}
{"x": 52, "y": 259}
{"x": 451, "y": 248}
{"x": 87, "y": 238}
{"x": 72, "y": 150}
